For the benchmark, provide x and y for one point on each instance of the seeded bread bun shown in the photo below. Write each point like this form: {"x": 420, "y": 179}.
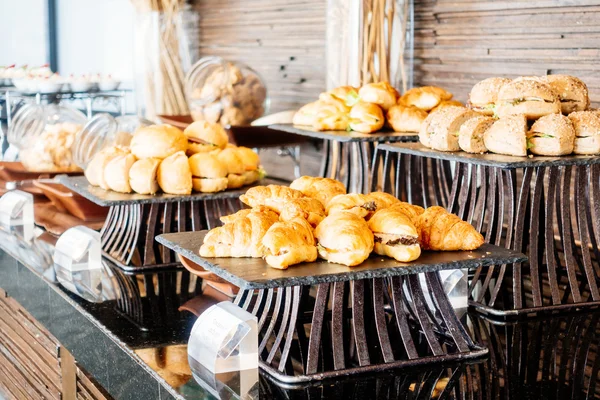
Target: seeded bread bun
{"x": 551, "y": 135}
{"x": 532, "y": 98}
{"x": 572, "y": 92}
{"x": 484, "y": 95}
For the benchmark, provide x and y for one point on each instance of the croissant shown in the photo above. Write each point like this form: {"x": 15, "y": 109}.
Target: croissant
{"x": 383, "y": 200}
{"x": 239, "y": 238}
{"x": 307, "y": 114}
{"x": 289, "y": 242}
{"x": 272, "y": 196}
{"x": 307, "y": 208}
{"x": 322, "y": 189}
{"x": 244, "y": 212}
{"x": 359, "y": 204}
{"x": 443, "y": 231}
{"x": 344, "y": 238}
{"x": 340, "y": 93}
{"x": 395, "y": 235}
{"x": 411, "y": 210}
{"x": 332, "y": 115}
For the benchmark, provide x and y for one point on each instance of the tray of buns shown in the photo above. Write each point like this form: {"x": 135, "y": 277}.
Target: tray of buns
{"x": 255, "y": 273}
{"x": 108, "y": 198}
{"x": 347, "y": 136}
{"x": 490, "y": 159}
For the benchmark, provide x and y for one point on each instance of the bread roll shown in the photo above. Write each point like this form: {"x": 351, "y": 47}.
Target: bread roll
{"x": 204, "y": 136}
{"x": 366, "y": 117}
{"x": 143, "y": 176}
{"x": 95, "y": 169}
{"x": 470, "y": 137}
{"x": 209, "y": 174}
{"x": 406, "y": 118}
{"x": 340, "y": 93}
{"x": 551, "y": 135}
{"x": 332, "y": 116}
{"x": 381, "y": 93}
{"x": 445, "y": 129}
{"x": 158, "y": 141}
{"x": 116, "y": 172}
{"x": 587, "y": 132}
{"x": 508, "y": 135}
{"x": 484, "y": 95}
{"x": 307, "y": 114}
{"x": 532, "y": 98}
{"x": 425, "y": 98}
{"x": 174, "y": 175}
{"x": 572, "y": 92}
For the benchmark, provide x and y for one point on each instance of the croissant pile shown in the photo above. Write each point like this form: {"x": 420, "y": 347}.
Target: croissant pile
{"x": 315, "y": 217}
{"x": 373, "y": 107}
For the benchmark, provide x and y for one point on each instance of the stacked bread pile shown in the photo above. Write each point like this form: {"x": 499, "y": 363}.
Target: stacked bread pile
{"x": 163, "y": 157}
{"x": 372, "y": 107}
{"x": 546, "y": 115}
{"x": 314, "y": 217}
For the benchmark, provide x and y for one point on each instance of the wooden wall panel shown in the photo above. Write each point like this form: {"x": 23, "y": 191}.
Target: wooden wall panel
{"x": 458, "y": 43}
{"x": 283, "y": 40}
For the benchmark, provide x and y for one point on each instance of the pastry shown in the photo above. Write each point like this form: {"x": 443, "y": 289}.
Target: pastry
{"x": 251, "y": 162}
{"x": 289, "y": 242}
{"x": 470, "y": 136}
{"x": 332, "y": 116}
{"x": 347, "y": 94}
{"x": 395, "y": 235}
{"x": 530, "y": 97}
{"x": 209, "y": 174}
{"x": 235, "y": 181}
{"x": 406, "y": 118}
{"x": 174, "y": 175}
{"x": 230, "y": 157}
{"x": 51, "y": 151}
{"x": 425, "y": 98}
{"x": 448, "y": 103}
{"x": 484, "y": 95}
{"x": 322, "y": 189}
{"x": 383, "y": 200}
{"x": 307, "y": 114}
{"x": 444, "y": 130}
{"x": 308, "y": 208}
{"x": 116, "y": 172}
{"x": 571, "y": 91}
{"x": 204, "y": 136}
{"x": 410, "y": 210}
{"x": 272, "y": 196}
{"x": 356, "y": 203}
{"x": 143, "y": 176}
{"x": 551, "y": 135}
{"x": 344, "y": 238}
{"x": 381, "y": 93}
{"x": 95, "y": 169}
{"x": 366, "y": 117}
{"x": 508, "y": 135}
{"x": 587, "y": 132}
{"x": 240, "y": 238}
{"x": 440, "y": 230}
{"x": 158, "y": 141}
{"x": 243, "y": 213}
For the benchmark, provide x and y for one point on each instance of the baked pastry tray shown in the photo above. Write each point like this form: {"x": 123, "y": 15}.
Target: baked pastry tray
{"x": 254, "y": 273}
{"x": 489, "y": 159}
{"x": 107, "y": 198}
{"x": 344, "y": 136}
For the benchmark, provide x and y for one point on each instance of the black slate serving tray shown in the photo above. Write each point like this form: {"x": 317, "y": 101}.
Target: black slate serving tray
{"x": 107, "y": 198}
{"x": 254, "y": 273}
{"x": 489, "y": 159}
{"x": 343, "y": 136}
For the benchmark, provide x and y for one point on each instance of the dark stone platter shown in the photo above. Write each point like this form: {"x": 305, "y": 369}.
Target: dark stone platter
{"x": 490, "y": 159}
{"x": 254, "y": 273}
{"x": 344, "y": 136}
{"x": 107, "y": 198}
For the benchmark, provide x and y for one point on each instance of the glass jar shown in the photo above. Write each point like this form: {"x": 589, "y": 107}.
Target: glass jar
{"x": 44, "y": 136}
{"x": 230, "y": 93}
{"x": 104, "y": 130}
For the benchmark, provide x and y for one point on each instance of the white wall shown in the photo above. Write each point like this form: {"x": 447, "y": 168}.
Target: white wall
{"x": 23, "y": 32}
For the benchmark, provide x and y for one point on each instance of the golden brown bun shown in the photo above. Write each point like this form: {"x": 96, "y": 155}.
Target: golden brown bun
{"x": 174, "y": 175}
{"x": 589, "y": 145}
{"x": 425, "y": 98}
{"x": 235, "y": 181}
{"x": 251, "y": 177}
{"x": 289, "y": 242}
{"x": 356, "y": 203}
{"x": 249, "y": 158}
{"x": 484, "y": 95}
{"x": 406, "y": 118}
{"x": 244, "y": 212}
{"x": 508, "y": 135}
{"x": 116, "y": 172}
{"x": 209, "y": 185}
{"x": 158, "y": 141}
{"x": 366, "y": 117}
{"x": 441, "y": 231}
{"x": 530, "y": 97}
{"x": 445, "y": 129}
{"x": 206, "y": 165}
{"x": 307, "y": 208}
{"x": 272, "y": 196}
{"x": 552, "y": 135}
{"x": 410, "y": 210}
{"x": 307, "y": 114}
{"x": 448, "y": 103}
{"x": 587, "y": 132}
{"x": 339, "y": 93}
{"x": 383, "y": 200}
{"x": 143, "y": 176}
{"x": 470, "y": 137}
{"x": 240, "y": 238}
{"x": 322, "y": 189}
{"x": 344, "y": 238}
{"x": 572, "y": 92}
{"x": 232, "y": 160}
{"x": 95, "y": 169}
{"x": 381, "y": 93}
{"x": 332, "y": 116}
{"x": 392, "y": 224}
{"x": 210, "y": 135}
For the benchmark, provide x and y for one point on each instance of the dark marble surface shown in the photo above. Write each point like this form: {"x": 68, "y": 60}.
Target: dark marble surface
{"x": 79, "y": 184}
{"x": 489, "y": 159}
{"x": 255, "y": 273}
{"x": 344, "y": 136}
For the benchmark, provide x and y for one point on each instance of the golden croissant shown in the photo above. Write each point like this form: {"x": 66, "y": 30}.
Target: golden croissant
{"x": 443, "y": 231}
{"x": 322, "y": 189}
{"x": 395, "y": 234}
{"x": 307, "y": 208}
{"x": 383, "y": 200}
{"x": 243, "y": 213}
{"x": 356, "y": 203}
{"x": 411, "y": 210}
{"x": 240, "y": 238}
{"x": 289, "y": 242}
{"x": 344, "y": 238}
{"x": 332, "y": 115}
{"x": 272, "y": 196}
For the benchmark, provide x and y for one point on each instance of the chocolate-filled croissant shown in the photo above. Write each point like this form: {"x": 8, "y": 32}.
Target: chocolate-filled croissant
{"x": 395, "y": 234}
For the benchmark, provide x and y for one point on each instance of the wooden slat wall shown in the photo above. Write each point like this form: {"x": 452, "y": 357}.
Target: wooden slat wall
{"x": 284, "y": 40}
{"x": 458, "y": 43}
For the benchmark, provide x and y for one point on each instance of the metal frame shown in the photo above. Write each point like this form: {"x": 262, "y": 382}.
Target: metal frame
{"x": 536, "y": 210}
